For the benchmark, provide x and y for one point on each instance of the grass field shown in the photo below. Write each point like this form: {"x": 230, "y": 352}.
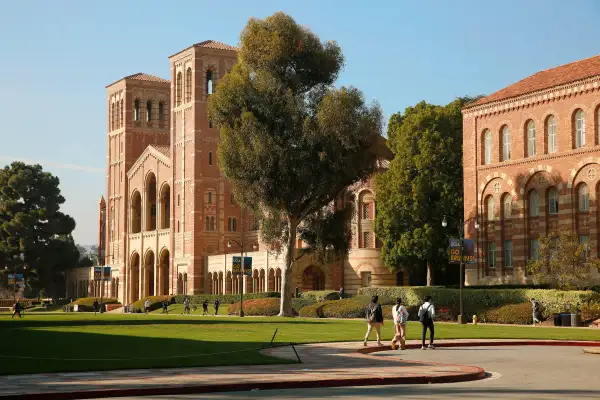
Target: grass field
{"x": 82, "y": 342}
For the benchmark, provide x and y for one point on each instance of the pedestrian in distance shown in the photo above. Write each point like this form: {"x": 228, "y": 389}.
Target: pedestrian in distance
{"x": 205, "y": 307}
{"x": 165, "y": 307}
{"x": 535, "y": 308}
{"x": 374, "y": 318}
{"x": 17, "y": 309}
{"x": 147, "y": 304}
{"x": 341, "y": 292}
{"x": 426, "y": 315}
{"x": 216, "y": 305}
{"x": 186, "y": 306}
{"x": 95, "y": 306}
{"x": 400, "y": 316}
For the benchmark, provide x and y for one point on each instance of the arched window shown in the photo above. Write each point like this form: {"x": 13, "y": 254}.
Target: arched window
{"x": 530, "y": 139}
{"x": 234, "y": 224}
{"x": 534, "y": 204}
{"x": 506, "y": 206}
{"x": 149, "y": 110}
{"x": 210, "y": 123}
{"x": 209, "y": 82}
{"x": 491, "y": 208}
{"x": 209, "y": 197}
{"x": 207, "y": 224}
{"x": 212, "y": 223}
{"x": 551, "y": 132}
{"x": 178, "y": 84}
{"x": 579, "y": 129}
{"x": 584, "y": 197}
{"x": 505, "y": 143}
{"x": 161, "y": 111}
{"x": 188, "y": 85}
{"x": 229, "y": 224}
{"x": 553, "y": 201}
{"x": 487, "y": 147}
{"x": 112, "y": 116}
{"x": 210, "y": 158}
{"x": 136, "y": 110}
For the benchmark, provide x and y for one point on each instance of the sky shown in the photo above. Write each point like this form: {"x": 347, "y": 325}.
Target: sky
{"x": 56, "y": 57}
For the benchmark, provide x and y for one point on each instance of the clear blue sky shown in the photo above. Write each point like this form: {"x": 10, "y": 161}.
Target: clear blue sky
{"x": 57, "y": 56}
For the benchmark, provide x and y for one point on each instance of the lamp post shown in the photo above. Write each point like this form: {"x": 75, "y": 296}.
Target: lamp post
{"x": 461, "y": 236}
{"x": 242, "y": 244}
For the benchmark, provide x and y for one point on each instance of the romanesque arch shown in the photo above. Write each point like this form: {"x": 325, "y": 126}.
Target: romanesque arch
{"x": 134, "y": 277}
{"x": 313, "y": 278}
{"x": 165, "y": 206}
{"x": 163, "y": 270}
{"x": 148, "y": 274}
{"x": 150, "y": 206}
{"x": 136, "y": 212}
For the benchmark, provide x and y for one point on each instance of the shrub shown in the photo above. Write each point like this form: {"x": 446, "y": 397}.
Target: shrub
{"x": 590, "y": 312}
{"x": 509, "y": 314}
{"x": 86, "y": 304}
{"x": 320, "y": 295}
{"x": 155, "y": 303}
{"x": 268, "y": 307}
{"x": 347, "y": 308}
{"x": 315, "y": 310}
{"x": 479, "y": 300}
{"x": 224, "y": 298}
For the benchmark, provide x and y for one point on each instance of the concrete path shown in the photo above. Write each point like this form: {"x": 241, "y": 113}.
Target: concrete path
{"x": 323, "y": 365}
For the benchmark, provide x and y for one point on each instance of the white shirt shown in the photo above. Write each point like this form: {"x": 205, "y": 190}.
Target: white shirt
{"x": 147, "y": 303}
{"x": 427, "y": 306}
{"x": 402, "y": 310}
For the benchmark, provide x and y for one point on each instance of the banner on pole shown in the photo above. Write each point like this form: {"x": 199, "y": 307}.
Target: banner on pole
{"x": 98, "y": 273}
{"x": 236, "y": 266}
{"x": 16, "y": 280}
{"x": 468, "y": 251}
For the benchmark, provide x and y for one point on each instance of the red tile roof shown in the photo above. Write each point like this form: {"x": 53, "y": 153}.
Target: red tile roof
{"x": 212, "y": 44}
{"x": 546, "y": 79}
{"x": 140, "y": 76}
{"x": 166, "y": 150}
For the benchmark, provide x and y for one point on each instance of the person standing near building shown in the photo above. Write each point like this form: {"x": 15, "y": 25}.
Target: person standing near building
{"x": 400, "y": 316}
{"x": 341, "y": 292}
{"x": 374, "y": 318}
{"x": 426, "y": 315}
{"x": 217, "y": 303}
{"x": 205, "y": 307}
{"x": 95, "y": 305}
{"x": 535, "y": 308}
{"x": 17, "y": 309}
{"x": 147, "y": 306}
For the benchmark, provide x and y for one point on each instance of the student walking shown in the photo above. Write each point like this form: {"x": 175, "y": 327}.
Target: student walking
{"x": 217, "y": 303}
{"x": 17, "y": 310}
{"x": 535, "y": 308}
{"x": 400, "y": 316}
{"x": 95, "y": 305}
{"x": 374, "y": 318}
{"x": 205, "y": 307}
{"x": 341, "y": 292}
{"x": 165, "y": 307}
{"x": 186, "y": 306}
{"x": 426, "y": 316}
{"x": 147, "y": 306}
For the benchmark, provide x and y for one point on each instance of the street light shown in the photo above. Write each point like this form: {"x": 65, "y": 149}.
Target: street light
{"x": 461, "y": 234}
{"x": 242, "y": 244}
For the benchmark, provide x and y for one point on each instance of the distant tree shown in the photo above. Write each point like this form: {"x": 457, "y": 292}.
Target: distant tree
{"x": 291, "y": 142}
{"x": 33, "y": 230}
{"x": 424, "y": 183}
{"x": 563, "y": 261}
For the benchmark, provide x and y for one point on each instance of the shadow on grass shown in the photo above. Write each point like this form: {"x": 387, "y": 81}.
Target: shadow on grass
{"x": 37, "y": 351}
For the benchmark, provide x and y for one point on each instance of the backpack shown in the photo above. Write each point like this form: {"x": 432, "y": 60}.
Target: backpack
{"x": 399, "y": 316}
{"x": 425, "y": 317}
{"x": 370, "y": 314}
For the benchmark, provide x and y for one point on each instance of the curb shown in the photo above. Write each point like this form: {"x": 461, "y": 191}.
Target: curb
{"x": 568, "y": 343}
{"x": 592, "y": 351}
{"x": 478, "y": 374}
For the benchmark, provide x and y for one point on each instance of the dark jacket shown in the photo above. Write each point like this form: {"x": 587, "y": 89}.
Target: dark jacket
{"x": 376, "y": 309}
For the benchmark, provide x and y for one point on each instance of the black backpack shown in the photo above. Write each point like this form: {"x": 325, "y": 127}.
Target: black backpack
{"x": 426, "y": 316}
{"x": 370, "y": 313}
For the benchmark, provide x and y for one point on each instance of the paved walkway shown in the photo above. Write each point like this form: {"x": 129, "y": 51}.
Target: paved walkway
{"x": 329, "y": 364}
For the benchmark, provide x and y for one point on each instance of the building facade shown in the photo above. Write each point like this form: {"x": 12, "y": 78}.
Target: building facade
{"x": 532, "y": 167}
{"x": 169, "y": 215}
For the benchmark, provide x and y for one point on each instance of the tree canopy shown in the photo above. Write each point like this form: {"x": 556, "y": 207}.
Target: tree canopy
{"x": 33, "y": 230}
{"x": 289, "y": 141}
{"x": 424, "y": 183}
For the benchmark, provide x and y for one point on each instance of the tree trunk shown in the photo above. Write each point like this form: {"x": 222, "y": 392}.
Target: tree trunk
{"x": 429, "y": 274}
{"x": 287, "y": 289}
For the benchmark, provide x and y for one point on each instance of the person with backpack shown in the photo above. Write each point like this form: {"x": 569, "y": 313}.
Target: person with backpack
{"x": 374, "y": 318}
{"x": 216, "y": 305}
{"x": 186, "y": 306}
{"x": 426, "y": 315}
{"x": 205, "y": 307}
{"x": 17, "y": 309}
{"x": 535, "y": 306}
{"x": 400, "y": 316}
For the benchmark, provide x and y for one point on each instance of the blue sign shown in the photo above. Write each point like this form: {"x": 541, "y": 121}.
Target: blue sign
{"x": 468, "y": 251}
{"x": 98, "y": 273}
{"x": 236, "y": 268}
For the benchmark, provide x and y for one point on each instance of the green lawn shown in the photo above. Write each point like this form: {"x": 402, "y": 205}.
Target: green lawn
{"x": 83, "y": 342}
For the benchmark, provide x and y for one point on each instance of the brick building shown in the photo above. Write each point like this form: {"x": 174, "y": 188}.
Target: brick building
{"x": 168, "y": 214}
{"x": 531, "y": 166}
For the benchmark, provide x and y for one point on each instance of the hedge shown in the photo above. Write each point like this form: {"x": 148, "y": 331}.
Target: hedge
{"x": 315, "y": 310}
{"x": 268, "y": 307}
{"x": 479, "y": 300}
{"x": 155, "y": 303}
{"x": 86, "y": 304}
{"x": 320, "y": 295}
{"x": 224, "y": 298}
{"x": 590, "y": 312}
{"x": 509, "y": 314}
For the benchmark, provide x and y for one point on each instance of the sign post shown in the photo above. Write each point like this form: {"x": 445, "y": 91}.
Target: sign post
{"x": 15, "y": 280}
{"x": 237, "y": 270}
{"x": 458, "y": 255}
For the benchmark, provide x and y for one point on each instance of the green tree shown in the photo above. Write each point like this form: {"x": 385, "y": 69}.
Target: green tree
{"x": 291, "y": 142}
{"x": 33, "y": 230}
{"x": 424, "y": 183}
{"x": 563, "y": 261}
